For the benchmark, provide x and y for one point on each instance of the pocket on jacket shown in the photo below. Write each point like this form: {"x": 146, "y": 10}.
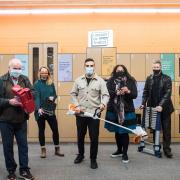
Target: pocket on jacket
{"x": 95, "y": 92}
{"x": 81, "y": 91}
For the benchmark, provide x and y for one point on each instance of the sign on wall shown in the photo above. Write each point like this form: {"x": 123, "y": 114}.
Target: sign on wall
{"x": 168, "y": 64}
{"x": 138, "y": 100}
{"x": 24, "y": 60}
{"x": 102, "y": 38}
{"x": 65, "y": 67}
{"x": 108, "y": 60}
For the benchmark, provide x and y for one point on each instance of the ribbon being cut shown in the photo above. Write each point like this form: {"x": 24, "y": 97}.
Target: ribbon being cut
{"x": 138, "y": 131}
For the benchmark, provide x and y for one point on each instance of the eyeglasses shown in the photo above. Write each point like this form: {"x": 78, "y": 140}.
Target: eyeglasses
{"x": 89, "y": 65}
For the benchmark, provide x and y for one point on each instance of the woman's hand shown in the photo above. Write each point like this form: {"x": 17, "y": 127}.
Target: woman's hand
{"x": 125, "y": 90}
{"x": 41, "y": 111}
{"x": 51, "y": 98}
{"x": 120, "y": 92}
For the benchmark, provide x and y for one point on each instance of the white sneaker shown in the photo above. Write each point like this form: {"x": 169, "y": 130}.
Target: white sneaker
{"x": 125, "y": 158}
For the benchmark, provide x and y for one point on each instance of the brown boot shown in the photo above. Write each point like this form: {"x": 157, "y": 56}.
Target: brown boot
{"x": 57, "y": 152}
{"x": 43, "y": 152}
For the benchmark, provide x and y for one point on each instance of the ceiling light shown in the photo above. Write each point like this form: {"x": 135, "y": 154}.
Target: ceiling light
{"x": 89, "y": 11}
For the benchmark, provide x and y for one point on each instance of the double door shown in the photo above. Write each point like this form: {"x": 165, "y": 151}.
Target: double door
{"x": 41, "y": 54}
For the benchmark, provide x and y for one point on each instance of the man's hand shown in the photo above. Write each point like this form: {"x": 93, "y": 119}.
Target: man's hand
{"x": 41, "y": 111}
{"x": 102, "y": 107}
{"x": 77, "y": 109}
{"x": 141, "y": 107}
{"x": 159, "y": 108}
{"x": 15, "y": 102}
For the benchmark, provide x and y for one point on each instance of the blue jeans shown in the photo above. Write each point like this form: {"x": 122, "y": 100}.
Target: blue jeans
{"x": 8, "y": 131}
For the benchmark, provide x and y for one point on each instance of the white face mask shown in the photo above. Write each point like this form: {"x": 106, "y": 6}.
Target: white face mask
{"x": 89, "y": 71}
{"x": 15, "y": 73}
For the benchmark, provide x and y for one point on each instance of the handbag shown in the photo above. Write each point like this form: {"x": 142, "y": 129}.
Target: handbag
{"x": 49, "y": 107}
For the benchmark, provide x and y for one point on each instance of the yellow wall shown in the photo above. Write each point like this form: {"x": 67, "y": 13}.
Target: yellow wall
{"x": 132, "y": 33}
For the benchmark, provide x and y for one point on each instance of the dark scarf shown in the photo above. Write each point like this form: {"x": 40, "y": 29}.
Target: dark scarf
{"x": 155, "y": 97}
{"x": 119, "y": 100}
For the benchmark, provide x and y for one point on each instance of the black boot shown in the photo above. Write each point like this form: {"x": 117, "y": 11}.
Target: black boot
{"x": 168, "y": 153}
{"x": 79, "y": 159}
{"x": 94, "y": 164}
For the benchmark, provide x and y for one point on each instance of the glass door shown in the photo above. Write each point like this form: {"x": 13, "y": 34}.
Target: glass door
{"x": 41, "y": 54}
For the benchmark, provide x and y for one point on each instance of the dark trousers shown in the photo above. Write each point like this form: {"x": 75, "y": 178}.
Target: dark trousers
{"x": 93, "y": 127}
{"x": 8, "y": 131}
{"x": 122, "y": 142}
{"x": 52, "y": 121}
{"x": 166, "y": 129}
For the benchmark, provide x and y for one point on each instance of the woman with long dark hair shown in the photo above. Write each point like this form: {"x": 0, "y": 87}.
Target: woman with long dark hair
{"x": 120, "y": 109}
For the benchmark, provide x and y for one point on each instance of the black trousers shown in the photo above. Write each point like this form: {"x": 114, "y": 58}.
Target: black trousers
{"x": 122, "y": 142}
{"x": 166, "y": 129}
{"x": 93, "y": 126}
{"x": 52, "y": 121}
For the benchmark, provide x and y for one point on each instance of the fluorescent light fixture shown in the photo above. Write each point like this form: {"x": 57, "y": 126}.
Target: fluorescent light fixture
{"x": 89, "y": 11}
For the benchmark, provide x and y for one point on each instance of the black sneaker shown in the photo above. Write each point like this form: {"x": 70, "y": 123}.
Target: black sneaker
{"x": 26, "y": 174}
{"x": 94, "y": 164}
{"x": 78, "y": 159}
{"x": 125, "y": 158}
{"x": 116, "y": 154}
{"x": 11, "y": 176}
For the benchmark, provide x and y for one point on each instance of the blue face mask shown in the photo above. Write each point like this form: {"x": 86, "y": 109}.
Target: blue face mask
{"x": 89, "y": 71}
{"x": 15, "y": 73}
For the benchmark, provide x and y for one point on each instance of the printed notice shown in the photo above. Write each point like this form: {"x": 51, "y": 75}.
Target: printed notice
{"x": 108, "y": 60}
{"x": 168, "y": 64}
{"x": 140, "y": 89}
{"x": 65, "y": 67}
{"x": 102, "y": 38}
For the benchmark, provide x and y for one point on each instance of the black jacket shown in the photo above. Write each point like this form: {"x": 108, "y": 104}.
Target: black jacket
{"x": 128, "y": 98}
{"x": 164, "y": 93}
{"x": 9, "y": 113}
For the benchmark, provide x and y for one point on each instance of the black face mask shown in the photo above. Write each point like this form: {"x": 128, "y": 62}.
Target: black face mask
{"x": 156, "y": 72}
{"x": 120, "y": 74}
